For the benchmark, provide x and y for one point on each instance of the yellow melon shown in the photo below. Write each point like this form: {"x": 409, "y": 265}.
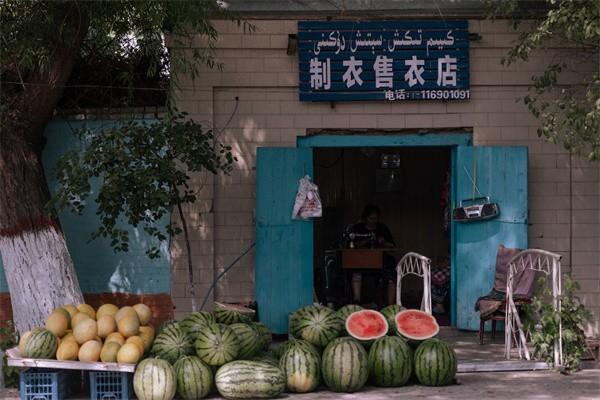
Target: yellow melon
{"x": 57, "y": 323}
{"x": 144, "y": 313}
{"x": 90, "y": 351}
{"x": 71, "y": 309}
{"x": 85, "y": 331}
{"x": 87, "y": 309}
{"x": 147, "y": 336}
{"x": 23, "y": 340}
{"x": 106, "y": 325}
{"x": 64, "y": 312}
{"x": 128, "y": 326}
{"x": 125, "y": 312}
{"x": 68, "y": 336}
{"x": 106, "y": 309}
{"x": 78, "y": 318}
{"x": 137, "y": 341}
{"x": 68, "y": 350}
{"x": 109, "y": 352}
{"x": 129, "y": 353}
{"x": 115, "y": 337}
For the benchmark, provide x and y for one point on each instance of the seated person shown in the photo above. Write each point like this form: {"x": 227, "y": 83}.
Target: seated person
{"x": 369, "y": 224}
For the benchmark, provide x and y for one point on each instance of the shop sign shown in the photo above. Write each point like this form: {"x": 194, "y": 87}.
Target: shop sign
{"x": 383, "y": 60}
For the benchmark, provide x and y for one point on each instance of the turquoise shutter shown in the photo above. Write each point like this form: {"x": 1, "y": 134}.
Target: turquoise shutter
{"x": 501, "y": 173}
{"x": 284, "y": 247}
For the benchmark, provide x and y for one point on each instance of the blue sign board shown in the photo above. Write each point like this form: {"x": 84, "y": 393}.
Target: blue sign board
{"x": 383, "y": 60}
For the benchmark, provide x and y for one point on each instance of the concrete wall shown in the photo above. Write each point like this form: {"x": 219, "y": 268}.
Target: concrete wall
{"x": 258, "y": 72}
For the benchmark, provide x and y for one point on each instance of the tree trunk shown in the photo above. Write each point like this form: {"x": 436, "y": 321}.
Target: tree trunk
{"x": 37, "y": 264}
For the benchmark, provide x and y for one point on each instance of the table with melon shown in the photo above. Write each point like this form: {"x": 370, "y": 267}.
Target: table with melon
{"x": 226, "y": 351}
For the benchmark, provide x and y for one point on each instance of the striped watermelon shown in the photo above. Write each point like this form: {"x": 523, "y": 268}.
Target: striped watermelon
{"x": 217, "y": 344}
{"x": 232, "y": 313}
{"x": 194, "y": 378}
{"x": 154, "y": 379}
{"x": 344, "y": 312}
{"x": 389, "y": 312}
{"x": 172, "y": 344}
{"x": 194, "y": 322}
{"x": 165, "y": 324}
{"x": 249, "y": 380}
{"x": 41, "y": 344}
{"x": 435, "y": 363}
{"x": 294, "y": 320}
{"x": 302, "y": 369}
{"x": 416, "y": 325}
{"x": 265, "y": 334}
{"x": 285, "y": 346}
{"x": 318, "y": 325}
{"x": 345, "y": 365}
{"x": 249, "y": 339}
{"x": 390, "y": 361}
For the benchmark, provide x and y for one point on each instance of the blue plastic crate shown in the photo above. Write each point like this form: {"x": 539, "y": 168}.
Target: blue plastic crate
{"x": 43, "y": 384}
{"x": 109, "y": 385}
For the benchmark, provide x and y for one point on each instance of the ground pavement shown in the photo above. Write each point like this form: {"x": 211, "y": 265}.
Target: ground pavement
{"x": 541, "y": 385}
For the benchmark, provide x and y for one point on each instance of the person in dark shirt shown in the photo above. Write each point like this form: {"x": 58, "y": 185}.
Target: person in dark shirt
{"x": 370, "y": 224}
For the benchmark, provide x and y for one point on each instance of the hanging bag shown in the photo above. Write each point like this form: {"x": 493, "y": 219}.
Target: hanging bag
{"x": 308, "y": 202}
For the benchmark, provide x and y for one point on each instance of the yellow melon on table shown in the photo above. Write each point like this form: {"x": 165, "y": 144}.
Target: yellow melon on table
{"x": 126, "y": 311}
{"x": 68, "y": 336}
{"x": 85, "y": 331}
{"x": 144, "y": 313}
{"x": 147, "y": 335}
{"x": 78, "y": 318}
{"x": 71, "y": 309}
{"x": 64, "y": 312}
{"x": 115, "y": 337}
{"x": 87, "y": 309}
{"x": 129, "y": 353}
{"x": 106, "y": 309}
{"x": 128, "y": 325}
{"x": 106, "y": 325}
{"x": 90, "y": 351}
{"x": 57, "y": 323}
{"x": 68, "y": 350}
{"x": 109, "y": 352}
{"x": 137, "y": 341}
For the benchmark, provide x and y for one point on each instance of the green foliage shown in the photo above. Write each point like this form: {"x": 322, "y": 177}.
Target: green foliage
{"x": 542, "y": 321}
{"x": 569, "y": 114}
{"x": 8, "y": 339}
{"x": 144, "y": 169}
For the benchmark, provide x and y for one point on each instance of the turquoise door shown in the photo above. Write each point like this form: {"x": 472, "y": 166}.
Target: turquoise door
{"x": 501, "y": 173}
{"x": 284, "y": 247}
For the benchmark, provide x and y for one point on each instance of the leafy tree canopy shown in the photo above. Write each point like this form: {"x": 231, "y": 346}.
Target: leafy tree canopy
{"x": 569, "y": 114}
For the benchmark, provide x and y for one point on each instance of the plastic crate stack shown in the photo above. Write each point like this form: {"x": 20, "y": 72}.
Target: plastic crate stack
{"x": 110, "y": 385}
{"x": 43, "y": 384}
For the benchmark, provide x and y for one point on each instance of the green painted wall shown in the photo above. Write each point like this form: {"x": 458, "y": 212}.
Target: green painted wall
{"x": 99, "y": 269}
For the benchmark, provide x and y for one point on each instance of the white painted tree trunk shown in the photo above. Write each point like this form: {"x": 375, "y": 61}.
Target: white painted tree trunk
{"x": 40, "y": 275}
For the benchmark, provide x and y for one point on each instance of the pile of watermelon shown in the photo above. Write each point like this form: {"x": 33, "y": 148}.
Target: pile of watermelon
{"x": 227, "y": 352}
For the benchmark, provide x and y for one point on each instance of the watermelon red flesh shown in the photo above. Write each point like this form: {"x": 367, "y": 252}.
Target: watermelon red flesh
{"x": 416, "y": 324}
{"x": 366, "y": 325}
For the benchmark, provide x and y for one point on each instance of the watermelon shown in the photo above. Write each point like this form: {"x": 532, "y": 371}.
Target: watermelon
{"x": 390, "y": 361}
{"x": 194, "y": 378}
{"x": 318, "y": 325}
{"x": 344, "y": 365}
{"x": 265, "y": 334}
{"x": 232, "y": 313}
{"x": 416, "y": 325}
{"x": 217, "y": 344}
{"x": 295, "y": 318}
{"x": 154, "y": 379}
{"x": 249, "y": 380}
{"x": 165, "y": 324}
{"x": 250, "y": 341}
{"x": 194, "y": 322}
{"x": 41, "y": 343}
{"x": 172, "y": 344}
{"x": 344, "y": 312}
{"x": 389, "y": 312}
{"x": 366, "y": 325}
{"x": 435, "y": 363}
{"x": 301, "y": 368}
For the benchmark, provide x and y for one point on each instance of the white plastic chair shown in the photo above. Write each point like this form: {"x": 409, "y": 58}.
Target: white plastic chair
{"x": 416, "y": 264}
{"x": 537, "y": 260}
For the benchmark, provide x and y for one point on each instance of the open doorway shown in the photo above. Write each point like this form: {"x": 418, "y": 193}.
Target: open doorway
{"x": 410, "y": 185}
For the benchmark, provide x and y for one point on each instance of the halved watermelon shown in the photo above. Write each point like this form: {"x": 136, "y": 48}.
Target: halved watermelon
{"x": 366, "y": 325}
{"x": 416, "y": 325}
